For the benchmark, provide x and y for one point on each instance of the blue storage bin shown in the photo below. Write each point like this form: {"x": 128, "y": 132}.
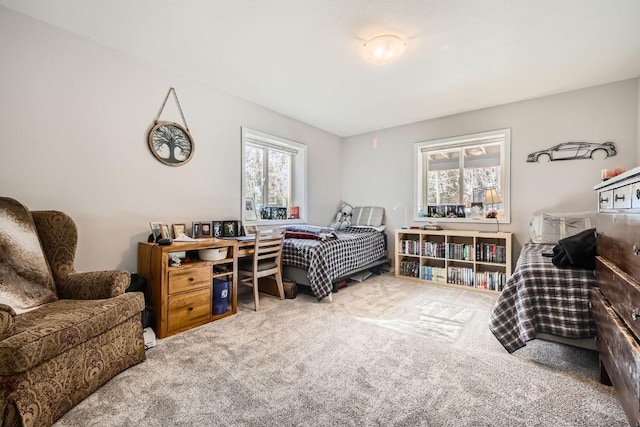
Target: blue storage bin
{"x": 220, "y": 295}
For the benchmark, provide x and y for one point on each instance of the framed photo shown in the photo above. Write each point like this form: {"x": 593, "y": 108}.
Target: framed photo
{"x": 195, "y": 230}
{"x": 266, "y": 212}
{"x": 250, "y": 230}
{"x": 205, "y": 229}
{"x": 156, "y": 230}
{"x": 179, "y": 230}
{"x": 217, "y": 228}
{"x": 166, "y": 233}
{"x": 250, "y": 209}
{"x": 229, "y": 228}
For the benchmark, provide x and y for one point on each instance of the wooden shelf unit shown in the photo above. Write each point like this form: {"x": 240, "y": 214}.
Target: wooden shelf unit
{"x": 473, "y": 259}
{"x": 182, "y": 297}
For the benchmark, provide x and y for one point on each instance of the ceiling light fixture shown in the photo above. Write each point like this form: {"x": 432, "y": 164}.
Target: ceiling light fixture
{"x": 384, "y": 49}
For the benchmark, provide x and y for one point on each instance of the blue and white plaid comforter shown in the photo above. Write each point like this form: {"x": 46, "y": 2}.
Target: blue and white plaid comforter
{"x": 326, "y": 261}
{"x": 542, "y": 298}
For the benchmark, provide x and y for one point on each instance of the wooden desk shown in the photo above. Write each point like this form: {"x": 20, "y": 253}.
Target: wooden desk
{"x": 182, "y": 297}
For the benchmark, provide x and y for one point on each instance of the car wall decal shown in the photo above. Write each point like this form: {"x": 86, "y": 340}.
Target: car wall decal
{"x": 573, "y": 151}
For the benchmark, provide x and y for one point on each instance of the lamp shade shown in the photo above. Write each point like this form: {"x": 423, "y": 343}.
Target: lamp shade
{"x": 491, "y": 197}
{"x": 384, "y": 49}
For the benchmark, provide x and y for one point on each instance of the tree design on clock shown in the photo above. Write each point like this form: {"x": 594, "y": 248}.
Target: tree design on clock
{"x": 171, "y": 143}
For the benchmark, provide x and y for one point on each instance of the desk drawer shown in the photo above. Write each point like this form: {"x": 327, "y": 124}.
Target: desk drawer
{"x": 619, "y": 353}
{"x": 621, "y": 291}
{"x": 189, "y": 278}
{"x": 189, "y": 308}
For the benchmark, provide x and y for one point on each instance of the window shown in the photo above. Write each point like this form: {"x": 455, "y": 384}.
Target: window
{"x": 274, "y": 180}
{"x": 464, "y": 178}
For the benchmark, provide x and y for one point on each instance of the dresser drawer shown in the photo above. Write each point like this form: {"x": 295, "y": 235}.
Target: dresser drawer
{"x": 189, "y": 278}
{"x": 622, "y": 292}
{"x": 189, "y": 308}
{"x": 619, "y": 353}
{"x": 635, "y": 195}
{"x": 622, "y": 197}
{"x": 605, "y": 199}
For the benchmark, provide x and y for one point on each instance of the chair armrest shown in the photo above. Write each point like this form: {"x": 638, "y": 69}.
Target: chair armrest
{"x": 93, "y": 285}
{"x": 6, "y": 321}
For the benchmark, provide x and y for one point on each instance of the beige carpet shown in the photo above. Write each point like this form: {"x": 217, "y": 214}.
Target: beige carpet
{"x": 385, "y": 352}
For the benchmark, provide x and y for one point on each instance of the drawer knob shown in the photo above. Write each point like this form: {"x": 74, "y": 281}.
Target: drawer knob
{"x": 191, "y": 309}
{"x": 616, "y": 198}
{"x": 191, "y": 279}
{"x": 604, "y": 199}
{"x": 635, "y": 249}
{"x": 638, "y": 194}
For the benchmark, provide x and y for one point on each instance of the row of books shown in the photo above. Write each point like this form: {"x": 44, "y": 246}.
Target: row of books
{"x": 409, "y": 268}
{"x": 485, "y": 252}
{"x": 492, "y": 280}
{"x": 488, "y": 252}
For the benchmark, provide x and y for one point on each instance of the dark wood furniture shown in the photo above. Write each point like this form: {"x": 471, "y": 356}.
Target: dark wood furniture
{"x": 616, "y": 299}
{"x": 183, "y": 297}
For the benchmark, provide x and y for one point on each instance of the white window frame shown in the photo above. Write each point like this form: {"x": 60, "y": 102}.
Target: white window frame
{"x": 460, "y": 142}
{"x": 298, "y": 180}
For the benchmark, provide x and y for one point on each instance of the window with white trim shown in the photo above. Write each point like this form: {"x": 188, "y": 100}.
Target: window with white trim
{"x": 454, "y": 178}
{"x": 274, "y": 179}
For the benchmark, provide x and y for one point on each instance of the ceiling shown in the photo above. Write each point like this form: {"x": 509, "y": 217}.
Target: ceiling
{"x": 303, "y": 58}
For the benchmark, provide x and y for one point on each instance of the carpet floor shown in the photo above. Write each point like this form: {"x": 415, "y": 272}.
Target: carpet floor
{"x": 384, "y": 352}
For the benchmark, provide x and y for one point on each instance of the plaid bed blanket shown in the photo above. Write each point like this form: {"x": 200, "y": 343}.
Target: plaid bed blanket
{"x": 326, "y": 261}
{"x": 542, "y": 298}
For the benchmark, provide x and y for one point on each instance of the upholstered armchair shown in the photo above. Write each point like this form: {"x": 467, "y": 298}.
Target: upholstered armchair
{"x": 63, "y": 333}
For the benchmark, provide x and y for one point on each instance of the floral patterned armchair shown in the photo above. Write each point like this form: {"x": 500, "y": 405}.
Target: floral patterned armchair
{"x": 88, "y": 329}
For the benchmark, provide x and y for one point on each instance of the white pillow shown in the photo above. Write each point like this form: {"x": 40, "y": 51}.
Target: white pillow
{"x": 551, "y": 227}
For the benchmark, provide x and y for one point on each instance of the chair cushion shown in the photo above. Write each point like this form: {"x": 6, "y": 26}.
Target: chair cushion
{"x": 26, "y": 281}
{"x": 54, "y": 328}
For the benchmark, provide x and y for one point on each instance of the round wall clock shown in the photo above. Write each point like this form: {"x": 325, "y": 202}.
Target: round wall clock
{"x": 171, "y": 143}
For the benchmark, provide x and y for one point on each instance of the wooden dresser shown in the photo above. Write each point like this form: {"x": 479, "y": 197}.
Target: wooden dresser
{"x": 616, "y": 299}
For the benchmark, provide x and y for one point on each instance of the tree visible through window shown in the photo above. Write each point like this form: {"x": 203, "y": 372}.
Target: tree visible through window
{"x": 274, "y": 175}
{"x": 457, "y": 171}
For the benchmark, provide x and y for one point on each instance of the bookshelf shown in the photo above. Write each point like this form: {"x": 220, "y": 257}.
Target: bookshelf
{"x": 473, "y": 259}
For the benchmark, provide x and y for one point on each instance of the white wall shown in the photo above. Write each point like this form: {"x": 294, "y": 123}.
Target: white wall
{"x": 384, "y": 177}
{"x": 74, "y": 117}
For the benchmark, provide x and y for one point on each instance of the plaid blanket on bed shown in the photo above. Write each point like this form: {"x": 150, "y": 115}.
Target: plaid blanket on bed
{"x": 542, "y": 298}
{"x": 326, "y": 261}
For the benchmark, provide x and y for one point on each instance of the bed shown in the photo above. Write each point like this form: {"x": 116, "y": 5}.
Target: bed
{"x": 543, "y": 301}
{"x": 320, "y": 257}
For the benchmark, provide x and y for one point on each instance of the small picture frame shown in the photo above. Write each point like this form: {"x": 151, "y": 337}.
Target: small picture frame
{"x": 195, "y": 230}
{"x": 250, "y": 209}
{"x": 179, "y": 230}
{"x": 217, "y": 229}
{"x": 156, "y": 230}
{"x": 229, "y": 228}
{"x": 166, "y": 233}
{"x": 250, "y": 230}
{"x": 205, "y": 229}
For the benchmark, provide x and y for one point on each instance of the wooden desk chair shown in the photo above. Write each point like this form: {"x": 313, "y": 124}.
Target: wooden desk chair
{"x": 267, "y": 254}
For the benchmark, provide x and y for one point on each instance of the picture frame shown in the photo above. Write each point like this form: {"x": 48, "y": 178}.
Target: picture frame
{"x": 195, "y": 230}
{"x": 156, "y": 230}
{"x": 217, "y": 229}
{"x": 165, "y": 230}
{"x": 250, "y": 209}
{"x": 179, "y": 230}
{"x": 250, "y": 230}
{"x": 205, "y": 229}
{"x": 229, "y": 228}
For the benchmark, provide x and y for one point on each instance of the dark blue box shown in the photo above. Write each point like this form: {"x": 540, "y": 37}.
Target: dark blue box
{"x": 220, "y": 295}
